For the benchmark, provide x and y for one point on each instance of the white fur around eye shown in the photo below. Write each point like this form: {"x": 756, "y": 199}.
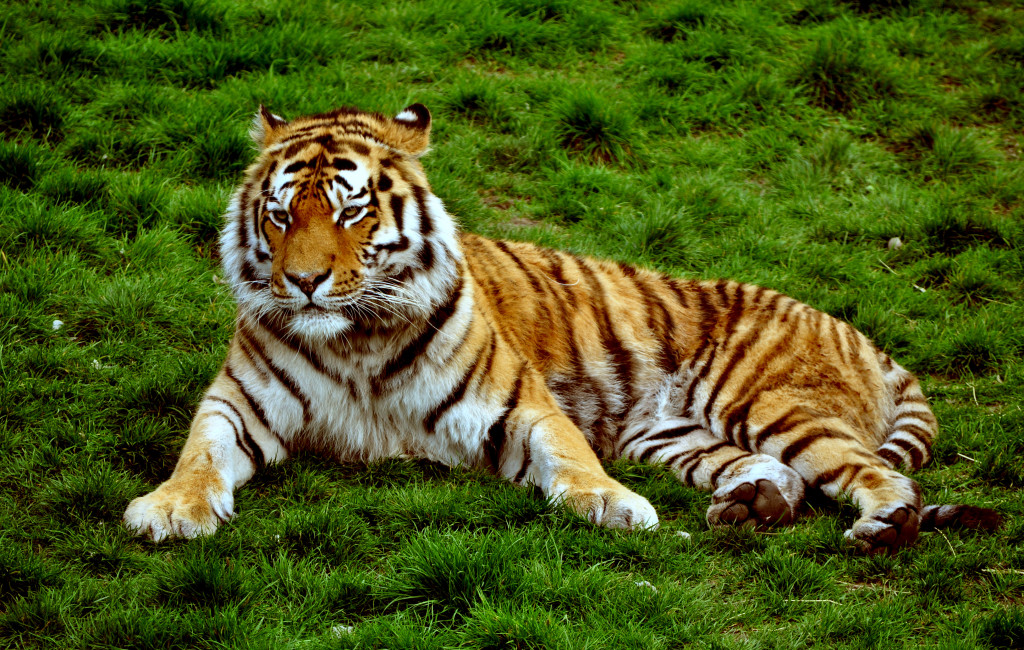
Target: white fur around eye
{"x": 279, "y": 218}
{"x": 349, "y": 221}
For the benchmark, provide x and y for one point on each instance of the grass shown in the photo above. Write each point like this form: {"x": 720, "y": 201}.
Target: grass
{"x": 781, "y": 142}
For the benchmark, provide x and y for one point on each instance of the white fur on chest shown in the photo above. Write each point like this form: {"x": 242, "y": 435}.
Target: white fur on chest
{"x": 338, "y": 412}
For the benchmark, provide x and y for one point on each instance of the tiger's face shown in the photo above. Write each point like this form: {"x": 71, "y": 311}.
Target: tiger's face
{"x": 335, "y": 225}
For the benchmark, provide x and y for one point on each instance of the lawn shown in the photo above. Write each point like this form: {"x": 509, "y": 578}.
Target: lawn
{"x": 864, "y": 157}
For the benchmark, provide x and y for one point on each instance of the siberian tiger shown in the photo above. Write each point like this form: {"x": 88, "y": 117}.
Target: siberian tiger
{"x": 370, "y": 326}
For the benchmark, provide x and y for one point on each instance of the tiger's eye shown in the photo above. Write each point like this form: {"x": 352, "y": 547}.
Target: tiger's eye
{"x": 351, "y": 211}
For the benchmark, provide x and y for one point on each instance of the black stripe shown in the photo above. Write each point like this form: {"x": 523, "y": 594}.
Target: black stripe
{"x": 837, "y": 341}
{"x": 920, "y": 433}
{"x": 385, "y": 183}
{"x": 414, "y": 349}
{"x": 343, "y": 164}
{"x": 257, "y": 410}
{"x": 296, "y": 166}
{"x": 234, "y": 429}
{"x": 426, "y": 256}
{"x": 665, "y": 439}
{"x": 251, "y": 356}
{"x": 282, "y": 376}
{"x": 485, "y": 367}
{"x": 243, "y": 232}
{"x": 695, "y": 460}
{"x": 857, "y": 469}
{"x": 709, "y": 318}
{"x": 680, "y": 293}
{"x": 891, "y": 456}
{"x": 668, "y": 360}
{"x": 494, "y": 445}
{"x": 738, "y": 351}
{"x": 669, "y": 436}
{"x": 256, "y": 214}
{"x": 757, "y": 375}
{"x": 915, "y": 454}
{"x": 543, "y": 317}
{"x": 911, "y": 399}
{"x": 835, "y": 473}
{"x": 785, "y": 423}
{"x": 249, "y": 446}
{"x": 397, "y": 204}
{"x": 736, "y": 426}
{"x": 426, "y": 225}
{"x": 453, "y": 397}
{"x": 341, "y": 181}
{"x": 901, "y": 387}
{"x": 249, "y": 276}
{"x": 534, "y": 282}
{"x": 527, "y": 459}
{"x": 621, "y": 358}
{"x": 808, "y": 438}
{"x": 724, "y": 466}
{"x": 557, "y": 270}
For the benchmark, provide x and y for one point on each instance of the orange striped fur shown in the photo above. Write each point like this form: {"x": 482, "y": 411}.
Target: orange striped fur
{"x": 369, "y": 326}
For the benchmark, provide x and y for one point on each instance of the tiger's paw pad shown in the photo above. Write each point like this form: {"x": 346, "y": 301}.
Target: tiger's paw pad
{"x": 759, "y": 504}
{"x": 886, "y": 530}
{"x": 168, "y": 512}
{"x": 614, "y": 507}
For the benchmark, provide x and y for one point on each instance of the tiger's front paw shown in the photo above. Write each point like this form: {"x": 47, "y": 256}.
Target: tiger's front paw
{"x": 612, "y": 506}
{"x": 179, "y": 510}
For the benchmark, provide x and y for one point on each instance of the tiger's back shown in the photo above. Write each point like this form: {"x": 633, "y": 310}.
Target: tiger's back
{"x": 614, "y": 337}
{"x": 370, "y": 326}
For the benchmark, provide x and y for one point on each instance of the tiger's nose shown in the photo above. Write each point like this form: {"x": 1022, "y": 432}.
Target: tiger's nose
{"x": 308, "y": 282}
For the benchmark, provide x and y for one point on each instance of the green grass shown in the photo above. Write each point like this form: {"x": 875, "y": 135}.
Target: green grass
{"x": 782, "y": 142}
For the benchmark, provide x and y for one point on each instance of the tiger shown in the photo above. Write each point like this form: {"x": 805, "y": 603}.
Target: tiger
{"x": 370, "y": 326}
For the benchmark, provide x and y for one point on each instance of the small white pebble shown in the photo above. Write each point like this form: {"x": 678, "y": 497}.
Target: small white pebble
{"x": 644, "y": 583}
{"x": 894, "y": 244}
{"x": 96, "y": 364}
{"x": 341, "y": 630}
{"x": 682, "y": 533}
{"x": 57, "y": 324}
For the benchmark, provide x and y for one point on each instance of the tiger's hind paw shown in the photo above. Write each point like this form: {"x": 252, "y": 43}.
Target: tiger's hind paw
{"x": 886, "y": 530}
{"x": 757, "y": 503}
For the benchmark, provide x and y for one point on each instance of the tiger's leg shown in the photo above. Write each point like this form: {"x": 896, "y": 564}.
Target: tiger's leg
{"x": 832, "y": 456}
{"x": 227, "y": 443}
{"x": 746, "y": 488}
{"x": 535, "y": 442}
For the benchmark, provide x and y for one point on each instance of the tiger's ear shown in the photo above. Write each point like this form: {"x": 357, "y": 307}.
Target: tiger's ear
{"x": 264, "y": 124}
{"x": 409, "y": 131}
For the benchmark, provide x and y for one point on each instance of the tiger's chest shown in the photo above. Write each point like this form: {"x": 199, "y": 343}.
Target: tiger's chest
{"x": 321, "y": 399}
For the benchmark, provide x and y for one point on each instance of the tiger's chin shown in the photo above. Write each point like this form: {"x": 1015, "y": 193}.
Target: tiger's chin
{"x": 317, "y": 324}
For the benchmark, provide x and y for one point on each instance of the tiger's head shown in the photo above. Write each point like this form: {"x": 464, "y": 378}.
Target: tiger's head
{"x": 335, "y": 226}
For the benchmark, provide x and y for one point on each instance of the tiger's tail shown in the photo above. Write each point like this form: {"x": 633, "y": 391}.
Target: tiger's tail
{"x": 960, "y": 516}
